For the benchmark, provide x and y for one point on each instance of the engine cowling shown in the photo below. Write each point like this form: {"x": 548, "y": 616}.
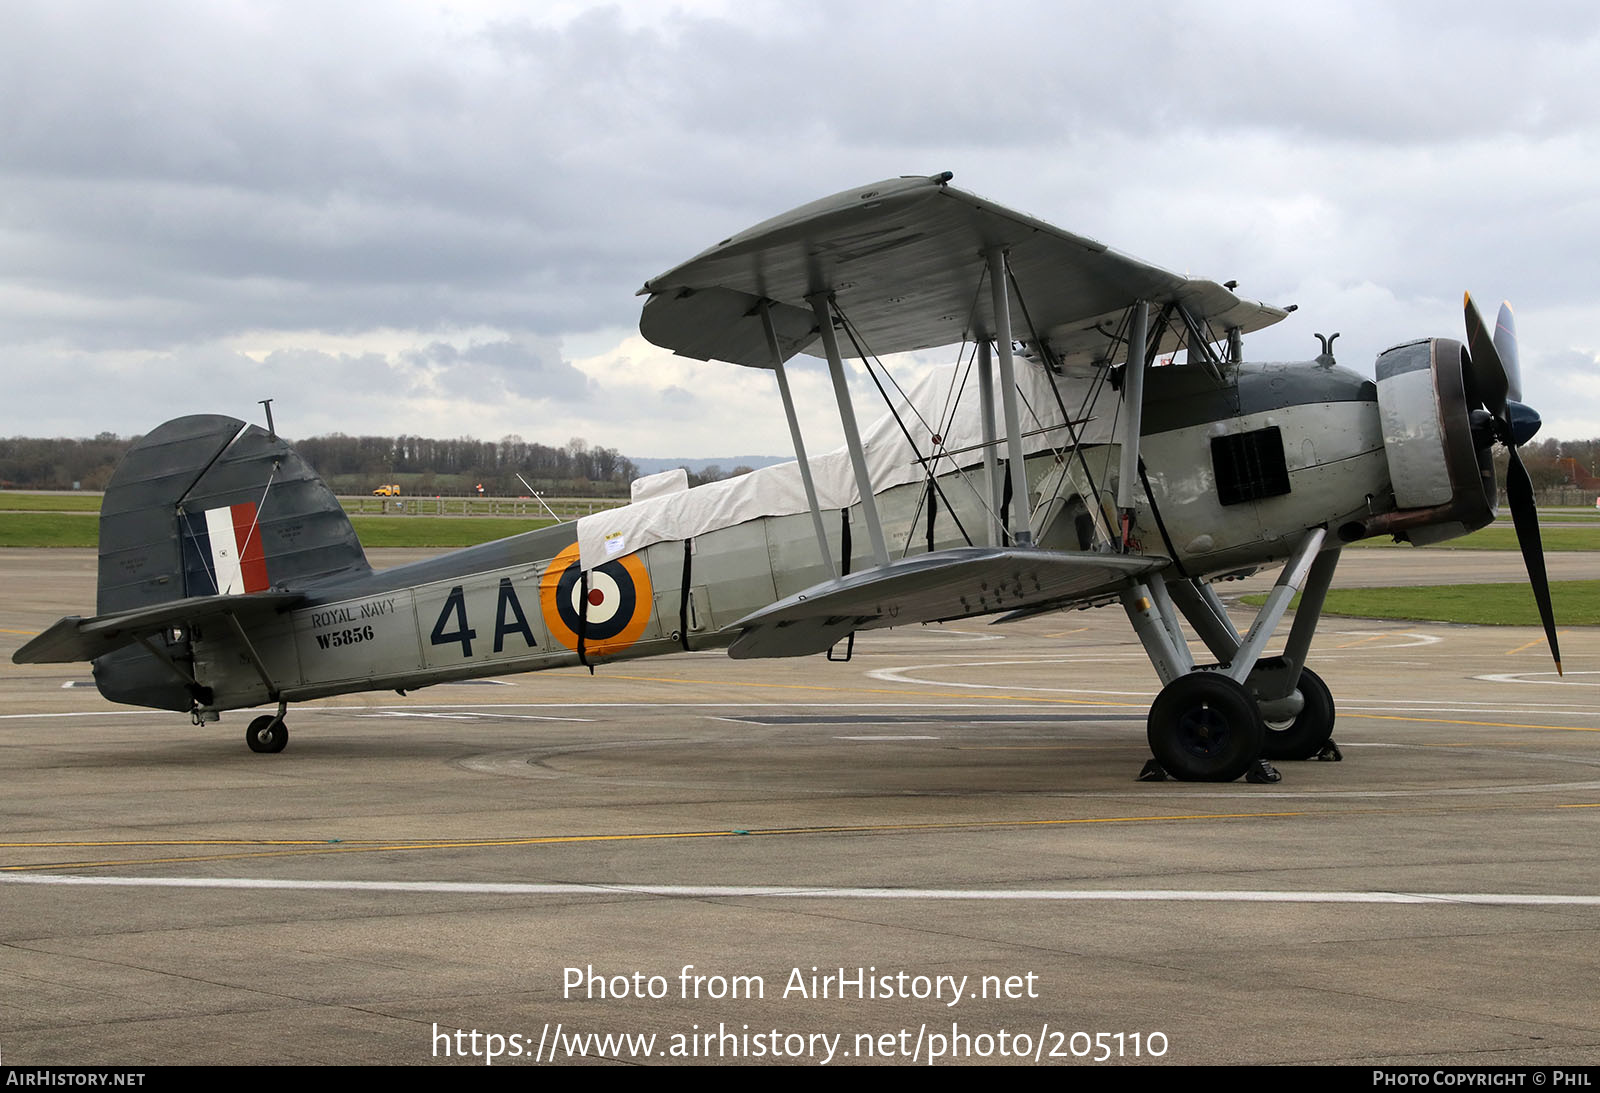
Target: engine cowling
{"x": 1440, "y": 463}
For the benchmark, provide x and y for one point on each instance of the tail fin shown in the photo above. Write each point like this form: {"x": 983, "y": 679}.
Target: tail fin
{"x": 203, "y": 506}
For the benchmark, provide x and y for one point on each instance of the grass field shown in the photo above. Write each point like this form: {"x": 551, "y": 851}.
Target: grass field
{"x": 60, "y": 520}
{"x": 1552, "y": 512}
{"x": 1501, "y": 536}
{"x": 565, "y": 507}
{"x": 441, "y": 531}
{"x": 1576, "y": 603}
{"x": 11, "y": 501}
{"x": 48, "y": 529}
{"x": 66, "y": 520}
{"x": 65, "y": 529}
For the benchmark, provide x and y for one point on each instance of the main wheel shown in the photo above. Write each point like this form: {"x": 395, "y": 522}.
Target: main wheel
{"x": 266, "y": 734}
{"x": 1303, "y": 736}
{"x": 1204, "y": 727}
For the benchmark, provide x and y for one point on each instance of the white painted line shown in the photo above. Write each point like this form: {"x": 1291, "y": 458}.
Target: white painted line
{"x": 1416, "y": 638}
{"x": 93, "y": 713}
{"x": 886, "y": 738}
{"x": 1397, "y": 706}
{"x": 903, "y": 674}
{"x": 488, "y": 714}
{"x": 899, "y": 675}
{"x": 1376, "y": 794}
{"x": 734, "y": 891}
{"x": 363, "y": 710}
{"x": 532, "y": 717}
{"x": 1551, "y": 679}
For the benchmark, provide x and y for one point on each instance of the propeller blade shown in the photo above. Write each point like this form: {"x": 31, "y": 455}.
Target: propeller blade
{"x": 1488, "y": 373}
{"x": 1505, "y": 343}
{"x": 1519, "y": 491}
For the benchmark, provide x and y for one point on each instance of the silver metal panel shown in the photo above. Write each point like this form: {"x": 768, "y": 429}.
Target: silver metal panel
{"x": 1413, "y": 432}
{"x": 1333, "y": 452}
{"x": 734, "y": 565}
{"x": 461, "y": 622}
{"x": 792, "y": 550}
{"x": 354, "y": 639}
{"x": 222, "y": 663}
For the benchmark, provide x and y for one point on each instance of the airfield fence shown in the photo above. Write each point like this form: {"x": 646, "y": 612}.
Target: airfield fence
{"x": 566, "y": 508}
{"x": 1564, "y": 497}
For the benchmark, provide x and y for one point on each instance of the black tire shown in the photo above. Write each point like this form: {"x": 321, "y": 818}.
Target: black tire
{"x": 267, "y": 734}
{"x": 1312, "y": 727}
{"x": 1204, "y": 727}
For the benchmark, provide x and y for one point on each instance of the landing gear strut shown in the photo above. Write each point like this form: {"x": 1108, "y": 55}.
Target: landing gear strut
{"x": 1211, "y": 724}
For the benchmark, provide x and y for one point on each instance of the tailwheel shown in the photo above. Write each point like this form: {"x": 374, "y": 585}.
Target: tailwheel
{"x": 267, "y": 734}
{"x": 1204, "y": 727}
{"x": 1304, "y": 735}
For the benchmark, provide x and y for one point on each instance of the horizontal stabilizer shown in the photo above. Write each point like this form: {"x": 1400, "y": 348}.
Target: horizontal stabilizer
{"x": 946, "y": 584}
{"x": 76, "y": 639}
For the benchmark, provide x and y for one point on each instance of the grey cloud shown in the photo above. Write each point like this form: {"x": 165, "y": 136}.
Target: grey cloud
{"x": 505, "y": 367}
{"x": 172, "y": 175}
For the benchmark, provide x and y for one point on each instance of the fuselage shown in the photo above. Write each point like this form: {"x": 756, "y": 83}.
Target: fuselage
{"x": 1237, "y": 472}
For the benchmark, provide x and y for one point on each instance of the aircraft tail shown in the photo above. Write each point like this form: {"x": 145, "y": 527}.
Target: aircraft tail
{"x": 208, "y": 506}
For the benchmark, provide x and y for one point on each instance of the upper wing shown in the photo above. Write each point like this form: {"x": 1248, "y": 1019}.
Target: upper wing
{"x": 905, "y": 259}
{"x": 947, "y": 584}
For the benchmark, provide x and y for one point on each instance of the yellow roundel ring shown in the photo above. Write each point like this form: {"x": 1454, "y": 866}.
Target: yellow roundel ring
{"x": 620, "y": 602}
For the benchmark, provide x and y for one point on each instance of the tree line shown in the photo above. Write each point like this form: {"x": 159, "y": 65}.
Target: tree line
{"x": 426, "y": 465}
{"x": 355, "y": 464}
{"x": 1562, "y": 470}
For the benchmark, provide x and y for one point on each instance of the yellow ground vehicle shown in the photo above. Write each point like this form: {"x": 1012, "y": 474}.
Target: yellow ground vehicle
{"x": 387, "y": 490}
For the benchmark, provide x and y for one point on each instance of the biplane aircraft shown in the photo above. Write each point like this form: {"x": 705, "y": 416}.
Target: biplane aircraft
{"x": 1099, "y": 439}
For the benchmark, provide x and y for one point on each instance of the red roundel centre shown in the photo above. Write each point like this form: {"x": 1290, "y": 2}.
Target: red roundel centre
{"x": 596, "y": 597}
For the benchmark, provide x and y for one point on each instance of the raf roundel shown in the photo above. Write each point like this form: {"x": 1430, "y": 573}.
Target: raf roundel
{"x": 618, "y": 599}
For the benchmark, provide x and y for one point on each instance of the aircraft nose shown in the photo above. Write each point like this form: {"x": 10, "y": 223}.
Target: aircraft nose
{"x": 1525, "y": 421}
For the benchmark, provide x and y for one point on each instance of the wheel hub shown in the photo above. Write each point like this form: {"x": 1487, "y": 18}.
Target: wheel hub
{"x": 1203, "y": 731}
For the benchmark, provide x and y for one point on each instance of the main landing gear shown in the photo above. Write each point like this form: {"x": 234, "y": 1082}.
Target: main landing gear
{"x": 268, "y": 733}
{"x": 1218, "y": 723}
{"x": 1204, "y": 727}
{"x": 1307, "y": 733}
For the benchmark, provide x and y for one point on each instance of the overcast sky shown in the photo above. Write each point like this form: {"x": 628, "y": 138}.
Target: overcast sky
{"x": 432, "y": 218}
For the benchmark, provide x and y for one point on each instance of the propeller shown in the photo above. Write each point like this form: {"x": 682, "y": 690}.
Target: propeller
{"x": 1495, "y": 380}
